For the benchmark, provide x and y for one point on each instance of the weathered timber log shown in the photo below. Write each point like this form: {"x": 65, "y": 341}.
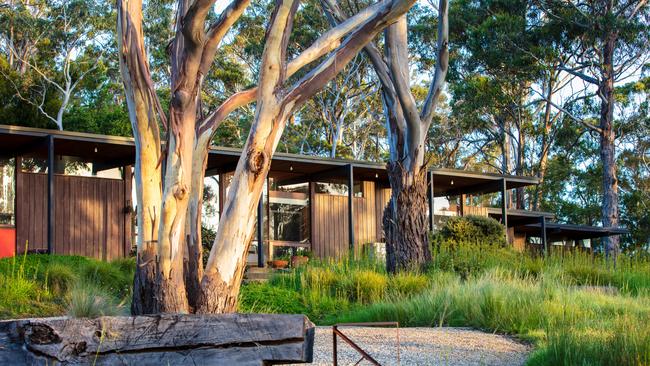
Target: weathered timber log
{"x": 169, "y": 339}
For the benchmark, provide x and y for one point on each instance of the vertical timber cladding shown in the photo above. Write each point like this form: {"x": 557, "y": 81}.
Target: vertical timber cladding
{"x": 330, "y": 222}
{"x": 89, "y": 215}
{"x": 382, "y": 197}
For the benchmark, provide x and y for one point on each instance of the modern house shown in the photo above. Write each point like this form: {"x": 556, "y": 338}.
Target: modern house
{"x": 72, "y": 193}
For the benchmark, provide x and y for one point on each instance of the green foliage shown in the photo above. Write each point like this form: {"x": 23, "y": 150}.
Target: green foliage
{"x": 553, "y": 302}
{"x": 366, "y": 286}
{"x": 109, "y": 277}
{"x": 569, "y": 326}
{"x": 626, "y": 342}
{"x": 48, "y": 285}
{"x": 332, "y": 287}
{"x": 59, "y": 278}
{"x": 259, "y": 298}
{"x": 477, "y": 230}
{"x": 406, "y": 284}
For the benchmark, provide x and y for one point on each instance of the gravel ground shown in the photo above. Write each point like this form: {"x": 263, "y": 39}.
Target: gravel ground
{"x": 421, "y": 346}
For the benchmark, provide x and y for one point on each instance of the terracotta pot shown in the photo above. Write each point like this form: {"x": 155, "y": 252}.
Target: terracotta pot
{"x": 279, "y": 263}
{"x": 299, "y": 260}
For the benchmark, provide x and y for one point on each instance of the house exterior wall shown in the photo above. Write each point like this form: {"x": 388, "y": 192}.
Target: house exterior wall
{"x": 91, "y": 215}
{"x": 330, "y": 222}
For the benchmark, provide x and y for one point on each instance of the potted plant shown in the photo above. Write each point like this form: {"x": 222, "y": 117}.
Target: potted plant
{"x": 280, "y": 262}
{"x": 301, "y": 258}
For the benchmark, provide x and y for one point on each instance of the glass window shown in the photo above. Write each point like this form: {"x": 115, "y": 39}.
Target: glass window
{"x": 339, "y": 189}
{"x": 7, "y": 192}
{"x": 33, "y": 165}
{"x": 289, "y": 212}
{"x": 69, "y": 165}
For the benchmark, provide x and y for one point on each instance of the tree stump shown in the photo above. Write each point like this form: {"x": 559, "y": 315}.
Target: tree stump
{"x": 168, "y": 339}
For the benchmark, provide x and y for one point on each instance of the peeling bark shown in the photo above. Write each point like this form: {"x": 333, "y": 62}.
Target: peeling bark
{"x": 143, "y": 107}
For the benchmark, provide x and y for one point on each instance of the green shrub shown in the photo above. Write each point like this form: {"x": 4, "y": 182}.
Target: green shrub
{"x": 471, "y": 229}
{"x": 108, "y": 277}
{"x": 125, "y": 265}
{"x": 89, "y": 301}
{"x": 323, "y": 280}
{"x": 59, "y": 278}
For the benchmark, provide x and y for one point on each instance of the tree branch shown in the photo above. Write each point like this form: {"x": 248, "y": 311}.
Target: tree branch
{"x": 386, "y": 15}
{"x": 218, "y": 30}
{"x": 442, "y": 65}
{"x": 327, "y": 42}
{"x": 569, "y": 114}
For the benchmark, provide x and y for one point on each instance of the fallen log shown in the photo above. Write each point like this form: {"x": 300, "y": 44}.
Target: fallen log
{"x": 167, "y": 339}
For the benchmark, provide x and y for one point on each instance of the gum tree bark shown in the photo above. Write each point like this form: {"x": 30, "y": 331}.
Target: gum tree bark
{"x": 169, "y": 276}
{"x": 405, "y": 217}
{"x": 143, "y": 107}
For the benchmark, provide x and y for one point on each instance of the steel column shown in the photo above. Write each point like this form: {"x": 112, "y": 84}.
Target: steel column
{"x": 260, "y": 231}
{"x": 504, "y": 205}
{"x": 351, "y": 206}
{"x": 50, "y": 194}
{"x": 431, "y": 196}
{"x": 542, "y": 220}
{"x": 462, "y": 204}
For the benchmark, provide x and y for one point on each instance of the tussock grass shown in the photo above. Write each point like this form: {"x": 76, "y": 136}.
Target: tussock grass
{"x": 553, "y": 302}
{"x": 59, "y": 278}
{"x": 48, "y": 285}
{"x": 91, "y": 301}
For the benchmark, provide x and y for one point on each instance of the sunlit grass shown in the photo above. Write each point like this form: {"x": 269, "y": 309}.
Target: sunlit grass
{"x": 48, "y": 285}
{"x": 577, "y": 309}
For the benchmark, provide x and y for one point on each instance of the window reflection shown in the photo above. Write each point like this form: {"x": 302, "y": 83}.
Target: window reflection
{"x": 7, "y": 192}
{"x": 289, "y": 212}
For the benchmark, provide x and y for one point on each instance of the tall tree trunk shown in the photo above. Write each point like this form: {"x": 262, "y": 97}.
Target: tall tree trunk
{"x": 142, "y": 108}
{"x": 607, "y": 147}
{"x": 193, "y": 258}
{"x": 227, "y": 261}
{"x": 521, "y": 151}
{"x": 543, "y": 154}
{"x": 405, "y": 219}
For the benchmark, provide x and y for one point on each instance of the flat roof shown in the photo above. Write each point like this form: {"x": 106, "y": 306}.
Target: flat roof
{"x": 517, "y": 217}
{"x": 119, "y": 151}
{"x": 557, "y": 232}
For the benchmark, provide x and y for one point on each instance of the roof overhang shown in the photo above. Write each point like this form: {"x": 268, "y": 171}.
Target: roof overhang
{"x": 520, "y": 217}
{"x": 453, "y": 182}
{"x": 557, "y": 232}
{"x": 114, "y": 151}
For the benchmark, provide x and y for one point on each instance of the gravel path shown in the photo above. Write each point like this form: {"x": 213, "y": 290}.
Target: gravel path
{"x": 422, "y": 346}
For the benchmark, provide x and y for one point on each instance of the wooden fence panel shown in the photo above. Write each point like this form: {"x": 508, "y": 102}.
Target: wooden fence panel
{"x": 90, "y": 219}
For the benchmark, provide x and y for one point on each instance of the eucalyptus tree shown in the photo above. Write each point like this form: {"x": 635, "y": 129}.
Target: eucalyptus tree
{"x": 60, "y": 43}
{"x": 606, "y": 42}
{"x": 169, "y": 274}
{"x": 405, "y": 217}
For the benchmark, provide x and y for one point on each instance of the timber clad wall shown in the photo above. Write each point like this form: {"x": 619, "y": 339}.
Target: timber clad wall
{"x": 89, "y": 220}
{"x": 330, "y": 222}
{"x": 381, "y": 201}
